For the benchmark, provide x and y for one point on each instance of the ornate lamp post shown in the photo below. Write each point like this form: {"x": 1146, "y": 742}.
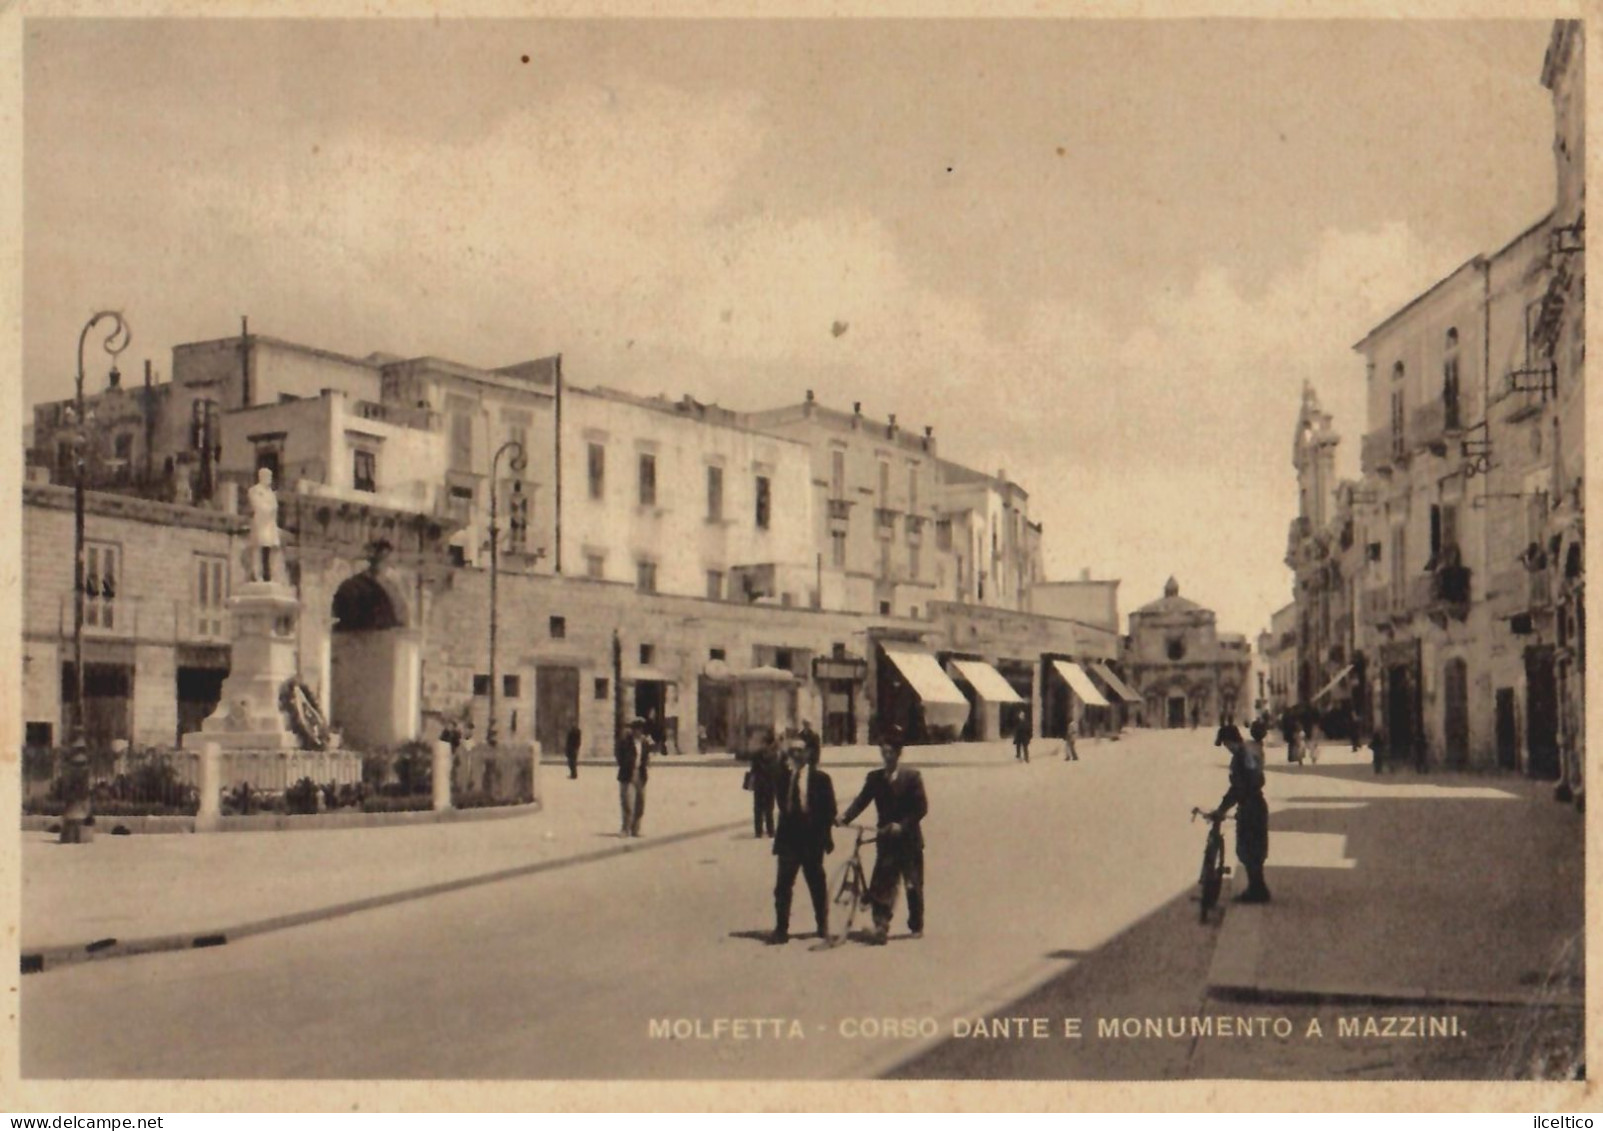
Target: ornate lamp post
{"x": 519, "y": 462}
{"x": 115, "y": 343}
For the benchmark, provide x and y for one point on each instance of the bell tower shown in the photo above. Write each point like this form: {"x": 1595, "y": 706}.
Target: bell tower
{"x": 1313, "y": 454}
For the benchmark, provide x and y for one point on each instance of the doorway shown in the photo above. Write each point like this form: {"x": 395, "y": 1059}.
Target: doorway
{"x": 1177, "y": 711}
{"x": 1508, "y": 745}
{"x": 1541, "y": 714}
{"x": 1455, "y": 692}
{"x": 108, "y": 701}
{"x": 1400, "y": 712}
{"x": 556, "y": 705}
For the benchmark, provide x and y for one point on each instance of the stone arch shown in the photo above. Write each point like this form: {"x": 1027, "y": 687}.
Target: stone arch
{"x": 374, "y": 662}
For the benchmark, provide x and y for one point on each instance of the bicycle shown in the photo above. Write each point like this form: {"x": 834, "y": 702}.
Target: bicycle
{"x": 850, "y": 887}
{"x": 1214, "y": 868}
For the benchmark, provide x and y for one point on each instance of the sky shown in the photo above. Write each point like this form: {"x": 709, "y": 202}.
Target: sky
{"x": 1100, "y": 256}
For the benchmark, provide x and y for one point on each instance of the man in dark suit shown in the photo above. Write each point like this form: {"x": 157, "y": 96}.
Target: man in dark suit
{"x": 804, "y": 837}
{"x": 571, "y": 746}
{"x": 633, "y": 752}
{"x": 900, "y": 806}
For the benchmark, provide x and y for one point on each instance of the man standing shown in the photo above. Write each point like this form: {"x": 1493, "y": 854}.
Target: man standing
{"x": 632, "y": 752}
{"x": 574, "y": 741}
{"x": 900, "y": 806}
{"x": 1021, "y": 738}
{"x": 809, "y": 738}
{"x": 804, "y": 838}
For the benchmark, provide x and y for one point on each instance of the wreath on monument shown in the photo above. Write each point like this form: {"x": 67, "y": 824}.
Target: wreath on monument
{"x": 296, "y": 700}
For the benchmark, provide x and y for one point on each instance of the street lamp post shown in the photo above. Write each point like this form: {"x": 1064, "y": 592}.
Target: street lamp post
{"x": 519, "y": 462}
{"x": 115, "y": 343}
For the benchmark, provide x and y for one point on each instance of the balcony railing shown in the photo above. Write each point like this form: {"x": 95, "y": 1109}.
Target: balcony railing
{"x": 1519, "y": 591}
{"x": 1378, "y": 452}
{"x": 1429, "y": 425}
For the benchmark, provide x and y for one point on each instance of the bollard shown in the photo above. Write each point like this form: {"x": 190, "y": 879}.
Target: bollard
{"x": 209, "y": 818}
{"x": 442, "y": 776}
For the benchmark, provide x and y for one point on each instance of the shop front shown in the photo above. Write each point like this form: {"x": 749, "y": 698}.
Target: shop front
{"x": 913, "y": 693}
{"x": 840, "y": 682}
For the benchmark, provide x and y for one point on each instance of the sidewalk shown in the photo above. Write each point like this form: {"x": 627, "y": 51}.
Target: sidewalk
{"x": 1445, "y": 888}
{"x": 165, "y": 892}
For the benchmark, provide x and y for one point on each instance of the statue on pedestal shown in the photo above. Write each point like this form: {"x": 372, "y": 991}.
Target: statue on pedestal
{"x": 264, "y": 545}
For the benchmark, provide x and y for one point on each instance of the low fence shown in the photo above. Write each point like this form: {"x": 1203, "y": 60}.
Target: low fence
{"x": 159, "y": 782}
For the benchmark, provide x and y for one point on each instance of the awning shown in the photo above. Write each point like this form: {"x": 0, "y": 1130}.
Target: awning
{"x": 944, "y": 704}
{"x": 1120, "y": 688}
{"x": 1080, "y": 683}
{"x": 1331, "y": 686}
{"x": 986, "y": 681}
{"x": 645, "y": 673}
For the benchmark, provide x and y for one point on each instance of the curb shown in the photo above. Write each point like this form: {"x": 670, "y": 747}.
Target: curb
{"x": 294, "y": 822}
{"x": 49, "y": 958}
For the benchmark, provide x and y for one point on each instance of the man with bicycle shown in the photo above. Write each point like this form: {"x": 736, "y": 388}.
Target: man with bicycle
{"x": 1252, "y": 821}
{"x": 900, "y": 807}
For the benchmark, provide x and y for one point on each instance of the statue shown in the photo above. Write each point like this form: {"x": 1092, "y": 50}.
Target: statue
{"x": 264, "y": 544}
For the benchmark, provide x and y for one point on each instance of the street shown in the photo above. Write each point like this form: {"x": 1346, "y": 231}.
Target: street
{"x": 1055, "y": 890}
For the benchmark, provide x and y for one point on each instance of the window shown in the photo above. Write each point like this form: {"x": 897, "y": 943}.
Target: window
{"x": 364, "y": 472}
{"x": 783, "y": 659}
{"x": 211, "y": 573}
{"x": 648, "y": 479}
{"x": 100, "y": 582}
{"x": 559, "y": 628}
{"x": 716, "y": 654}
{"x": 461, "y": 441}
{"x": 648, "y": 653}
{"x": 1399, "y": 545}
{"x": 764, "y": 502}
{"x": 595, "y": 566}
{"x": 124, "y": 446}
{"x": 517, "y": 517}
{"x": 912, "y": 489}
{"x": 837, "y": 548}
{"x": 884, "y": 483}
{"x": 646, "y": 576}
{"x": 837, "y": 474}
{"x": 943, "y": 534}
{"x": 1397, "y": 422}
{"x": 602, "y": 688}
{"x": 511, "y": 686}
{"x": 462, "y": 493}
{"x": 271, "y": 456}
{"x": 884, "y": 608}
{"x": 912, "y": 561}
{"x": 481, "y": 684}
{"x": 715, "y": 494}
{"x": 598, "y": 470}
{"x": 715, "y": 585}
{"x": 1175, "y": 649}
{"x": 1450, "y": 379}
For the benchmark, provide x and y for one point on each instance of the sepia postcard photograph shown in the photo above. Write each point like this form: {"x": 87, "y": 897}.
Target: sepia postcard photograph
{"x": 1038, "y": 554}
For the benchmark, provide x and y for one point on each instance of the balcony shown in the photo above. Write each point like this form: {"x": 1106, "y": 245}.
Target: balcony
{"x": 885, "y": 522}
{"x": 915, "y": 529}
{"x": 1378, "y": 453}
{"x": 1375, "y": 605}
{"x": 1517, "y": 592}
{"x": 840, "y": 510}
{"x": 1432, "y": 425}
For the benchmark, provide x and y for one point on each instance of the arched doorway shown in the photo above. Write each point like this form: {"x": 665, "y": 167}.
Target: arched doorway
{"x": 374, "y": 664}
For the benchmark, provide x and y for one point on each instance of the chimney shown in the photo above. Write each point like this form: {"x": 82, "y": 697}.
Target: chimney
{"x": 808, "y": 406}
{"x": 929, "y": 437}
{"x": 857, "y": 415}
{"x": 890, "y": 428}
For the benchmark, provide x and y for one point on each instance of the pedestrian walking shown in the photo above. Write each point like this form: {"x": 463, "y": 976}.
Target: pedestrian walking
{"x": 1311, "y": 735}
{"x": 760, "y": 780}
{"x": 1377, "y": 750}
{"x": 1021, "y": 738}
{"x": 633, "y": 753}
{"x": 1252, "y": 820}
{"x": 1070, "y": 754}
{"x": 810, "y": 740}
{"x": 900, "y": 806}
{"x": 804, "y": 838}
{"x": 571, "y": 747}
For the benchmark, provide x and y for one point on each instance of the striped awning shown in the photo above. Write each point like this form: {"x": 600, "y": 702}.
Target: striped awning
{"x": 986, "y": 681}
{"x": 1120, "y": 688}
{"x": 1331, "y": 686}
{"x": 944, "y": 704}
{"x": 1079, "y": 683}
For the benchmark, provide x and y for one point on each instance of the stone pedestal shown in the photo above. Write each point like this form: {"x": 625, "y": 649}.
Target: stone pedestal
{"x": 248, "y": 716}
{"x": 210, "y": 777}
{"x": 442, "y": 776}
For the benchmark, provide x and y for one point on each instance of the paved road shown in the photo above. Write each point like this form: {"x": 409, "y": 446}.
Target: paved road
{"x": 561, "y": 974}
{"x": 1055, "y": 890}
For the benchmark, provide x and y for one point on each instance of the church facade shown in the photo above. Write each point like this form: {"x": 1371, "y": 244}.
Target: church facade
{"x": 1186, "y": 671}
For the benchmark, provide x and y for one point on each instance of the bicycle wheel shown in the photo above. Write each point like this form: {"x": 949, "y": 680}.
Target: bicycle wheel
{"x": 848, "y": 887}
{"x": 1213, "y": 873}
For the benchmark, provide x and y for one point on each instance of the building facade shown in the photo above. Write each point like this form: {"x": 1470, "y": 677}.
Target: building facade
{"x": 1186, "y": 672}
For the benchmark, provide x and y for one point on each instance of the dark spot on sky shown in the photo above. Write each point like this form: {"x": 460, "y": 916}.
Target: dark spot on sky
{"x": 839, "y": 328}
{"x": 1062, "y": 152}
{"x": 948, "y": 168}
{"x": 525, "y": 58}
